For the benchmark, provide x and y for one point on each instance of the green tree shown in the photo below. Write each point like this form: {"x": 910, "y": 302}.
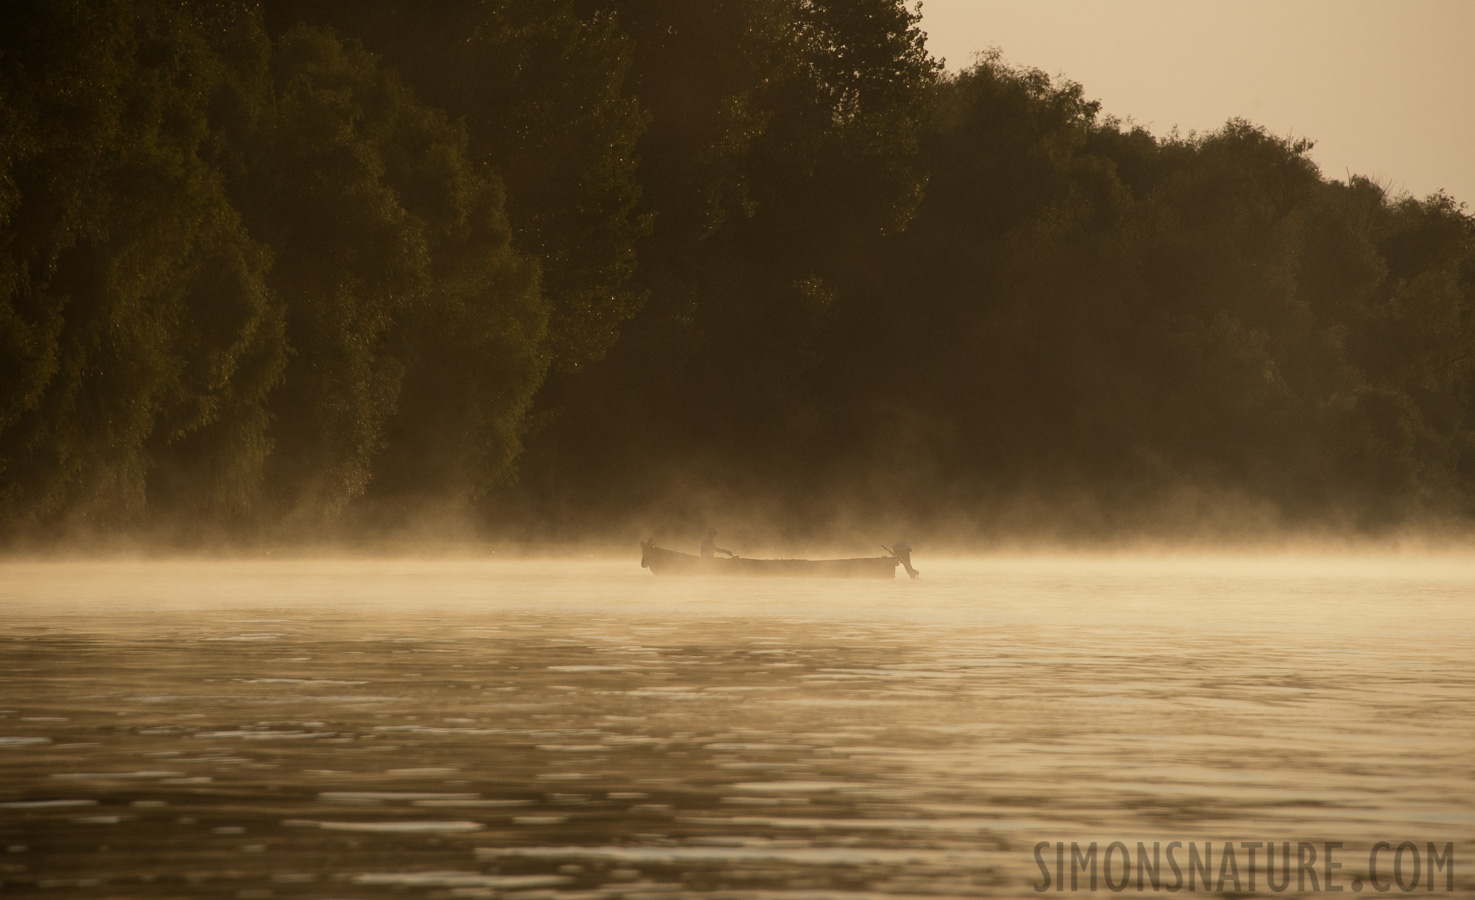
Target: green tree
{"x": 393, "y": 259}
{"x": 1409, "y": 438}
{"x": 541, "y": 89}
{"x": 133, "y": 314}
{"x": 782, "y": 135}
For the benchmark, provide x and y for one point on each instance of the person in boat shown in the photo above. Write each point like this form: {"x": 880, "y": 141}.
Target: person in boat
{"x": 709, "y": 545}
{"x": 903, "y": 552}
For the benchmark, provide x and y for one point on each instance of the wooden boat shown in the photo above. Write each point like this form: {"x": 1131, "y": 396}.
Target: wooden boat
{"x": 671, "y": 562}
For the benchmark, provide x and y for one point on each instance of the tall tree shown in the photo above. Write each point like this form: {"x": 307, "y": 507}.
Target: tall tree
{"x": 541, "y": 89}
{"x": 393, "y": 257}
{"x": 133, "y": 309}
{"x": 782, "y": 134}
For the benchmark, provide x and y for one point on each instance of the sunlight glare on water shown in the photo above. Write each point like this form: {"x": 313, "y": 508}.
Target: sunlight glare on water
{"x": 451, "y": 728}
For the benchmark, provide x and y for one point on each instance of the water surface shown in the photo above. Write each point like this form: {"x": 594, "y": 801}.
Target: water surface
{"x": 392, "y": 728}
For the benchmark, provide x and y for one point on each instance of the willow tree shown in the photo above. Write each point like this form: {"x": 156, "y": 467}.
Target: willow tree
{"x": 225, "y": 264}
{"x": 134, "y": 314}
{"x": 542, "y": 90}
{"x": 394, "y": 263}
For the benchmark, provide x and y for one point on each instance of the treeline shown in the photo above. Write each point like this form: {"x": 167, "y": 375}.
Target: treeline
{"x": 1079, "y": 330}
{"x": 244, "y": 278}
{"x": 552, "y": 266}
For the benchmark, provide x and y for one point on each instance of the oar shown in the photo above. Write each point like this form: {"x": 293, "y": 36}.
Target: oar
{"x": 888, "y": 550}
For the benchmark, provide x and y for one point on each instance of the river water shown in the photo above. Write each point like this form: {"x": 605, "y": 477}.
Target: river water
{"x": 474, "y": 728}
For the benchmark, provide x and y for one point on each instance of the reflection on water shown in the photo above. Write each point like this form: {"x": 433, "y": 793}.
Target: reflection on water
{"x": 470, "y": 729}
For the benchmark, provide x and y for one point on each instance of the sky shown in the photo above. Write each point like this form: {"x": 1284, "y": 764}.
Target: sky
{"x": 1385, "y": 88}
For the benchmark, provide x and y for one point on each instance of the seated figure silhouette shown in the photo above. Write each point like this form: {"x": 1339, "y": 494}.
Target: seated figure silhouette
{"x": 903, "y": 552}
{"x": 709, "y": 545}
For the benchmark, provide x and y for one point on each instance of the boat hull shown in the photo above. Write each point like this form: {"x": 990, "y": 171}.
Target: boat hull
{"x": 670, "y": 562}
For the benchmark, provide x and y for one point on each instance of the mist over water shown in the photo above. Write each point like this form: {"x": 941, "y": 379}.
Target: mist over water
{"x": 449, "y": 728}
{"x": 283, "y": 278}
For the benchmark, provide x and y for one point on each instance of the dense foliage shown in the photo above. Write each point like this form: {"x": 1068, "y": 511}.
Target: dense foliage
{"x": 284, "y": 267}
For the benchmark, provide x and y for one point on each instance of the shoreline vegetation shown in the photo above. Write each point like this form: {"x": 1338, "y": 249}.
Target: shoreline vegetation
{"x": 323, "y": 273}
{"x": 1333, "y": 554}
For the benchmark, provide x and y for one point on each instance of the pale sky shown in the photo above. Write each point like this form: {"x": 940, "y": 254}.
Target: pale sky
{"x": 1386, "y": 88}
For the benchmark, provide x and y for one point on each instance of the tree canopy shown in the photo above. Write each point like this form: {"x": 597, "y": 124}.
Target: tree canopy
{"x": 292, "y": 268}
